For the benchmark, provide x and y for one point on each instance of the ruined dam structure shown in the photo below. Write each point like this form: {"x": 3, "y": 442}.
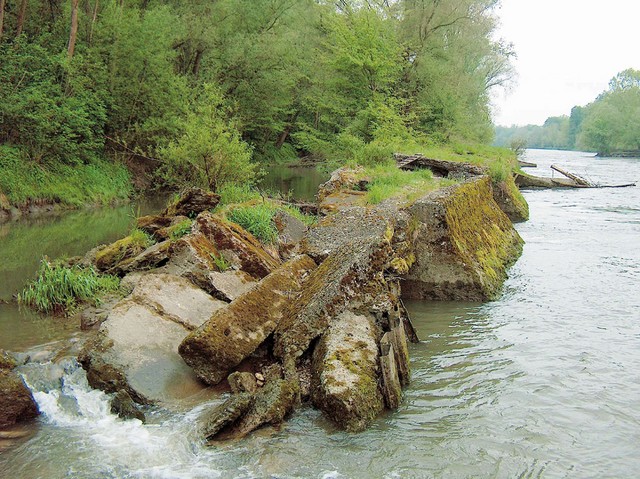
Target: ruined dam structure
{"x": 315, "y": 318}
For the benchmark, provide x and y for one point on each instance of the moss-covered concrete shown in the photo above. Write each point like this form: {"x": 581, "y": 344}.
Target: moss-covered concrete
{"x": 345, "y": 372}
{"x": 128, "y": 247}
{"x": 464, "y": 246}
{"x": 508, "y": 197}
{"x": 236, "y": 244}
{"x": 230, "y": 336}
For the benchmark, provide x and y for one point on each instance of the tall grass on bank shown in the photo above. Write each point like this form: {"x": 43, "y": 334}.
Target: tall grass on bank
{"x": 99, "y": 182}
{"x": 58, "y": 288}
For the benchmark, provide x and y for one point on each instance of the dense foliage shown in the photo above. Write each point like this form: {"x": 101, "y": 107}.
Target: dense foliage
{"x": 609, "y": 125}
{"x": 196, "y": 91}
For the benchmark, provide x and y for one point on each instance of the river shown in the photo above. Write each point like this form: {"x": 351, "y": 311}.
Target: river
{"x": 542, "y": 383}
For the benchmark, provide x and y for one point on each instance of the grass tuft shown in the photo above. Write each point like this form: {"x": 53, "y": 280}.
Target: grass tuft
{"x": 181, "y": 229}
{"x": 257, "y": 220}
{"x": 59, "y": 288}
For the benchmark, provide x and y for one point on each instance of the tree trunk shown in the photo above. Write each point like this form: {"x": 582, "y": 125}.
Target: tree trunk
{"x": 22, "y": 13}
{"x": 287, "y": 130}
{"x": 93, "y": 21}
{"x": 1, "y": 16}
{"x": 74, "y": 29}
{"x": 196, "y": 62}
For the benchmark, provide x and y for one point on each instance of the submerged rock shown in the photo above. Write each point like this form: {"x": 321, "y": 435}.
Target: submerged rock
{"x": 231, "y": 335}
{"x": 125, "y": 407}
{"x": 245, "y": 412}
{"x": 463, "y": 246}
{"x": 136, "y": 348}
{"x": 16, "y": 401}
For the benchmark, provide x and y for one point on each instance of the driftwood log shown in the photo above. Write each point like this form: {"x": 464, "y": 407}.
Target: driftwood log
{"x": 441, "y": 168}
{"x": 524, "y": 180}
{"x": 577, "y": 179}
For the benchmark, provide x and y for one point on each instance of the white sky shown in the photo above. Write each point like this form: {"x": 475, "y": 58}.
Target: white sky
{"x": 568, "y": 50}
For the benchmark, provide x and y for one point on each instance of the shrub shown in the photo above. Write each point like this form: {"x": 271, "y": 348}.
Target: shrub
{"x": 210, "y": 153}
{"x": 58, "y": 288}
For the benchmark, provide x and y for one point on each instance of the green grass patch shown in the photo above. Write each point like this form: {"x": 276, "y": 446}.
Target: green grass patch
{"x": 387, "y": 181}
{"x": 234, "y": 194}
{"x": 309, "y": 220}
{"x": 257, "y": 220}
{"x": 100, "y": 182}
{"x": 220, "y": 261}
{"x": 59, "y": 288}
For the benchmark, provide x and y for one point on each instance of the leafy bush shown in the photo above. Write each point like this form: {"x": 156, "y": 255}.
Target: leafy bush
{"x": 52, "y": 120}
{"x": 58, "y": 288}
{"x": 210, "y": 152}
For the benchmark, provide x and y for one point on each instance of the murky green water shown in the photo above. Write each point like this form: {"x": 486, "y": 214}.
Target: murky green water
{"x": 298, "y": 182}
{"x": 541, "y": 383}
{"x": 25, "y": 242}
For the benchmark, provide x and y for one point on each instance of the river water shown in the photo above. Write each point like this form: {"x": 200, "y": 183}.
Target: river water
{"x": 542, "y": 383}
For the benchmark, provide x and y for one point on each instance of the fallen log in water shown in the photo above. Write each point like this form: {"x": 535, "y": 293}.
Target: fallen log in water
{"x": 577, "y": 179}
{"x": 524, "y": 180}
{"x": 526, "y": 164}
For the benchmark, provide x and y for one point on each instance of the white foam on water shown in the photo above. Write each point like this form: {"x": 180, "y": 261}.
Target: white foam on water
{"x": 125, "y": 448}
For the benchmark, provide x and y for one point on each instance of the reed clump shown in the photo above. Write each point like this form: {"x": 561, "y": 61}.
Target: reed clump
{"x": 59, "y": 288}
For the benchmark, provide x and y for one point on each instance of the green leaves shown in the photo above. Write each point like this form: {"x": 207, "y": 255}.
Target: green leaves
{"x": 210, "y": 152}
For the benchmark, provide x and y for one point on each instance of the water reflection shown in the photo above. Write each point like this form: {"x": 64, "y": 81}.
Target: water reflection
{"x": 300, "y": 182}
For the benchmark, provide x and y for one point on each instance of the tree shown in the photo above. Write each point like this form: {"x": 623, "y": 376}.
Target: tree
{"x": 612, "y": 122}
{"x": 22, "y": 14}
{"x": 210, "y": 152}
{"x": 2, "y": 3}
{"x": 74, "y": 28}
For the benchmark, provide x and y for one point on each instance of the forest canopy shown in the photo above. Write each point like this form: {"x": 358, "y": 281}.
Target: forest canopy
{"x": 197, "y": 91}
{"x": 608, "y": 125}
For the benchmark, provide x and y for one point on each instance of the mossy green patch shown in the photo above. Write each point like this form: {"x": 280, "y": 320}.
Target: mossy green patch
{"x": 126, "y": 248}
{"x": 179, "y": 230}
{"x": 482, "y": 233}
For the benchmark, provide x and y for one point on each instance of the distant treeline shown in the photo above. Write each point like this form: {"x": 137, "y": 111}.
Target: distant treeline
{"x": 609, "y": 125}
